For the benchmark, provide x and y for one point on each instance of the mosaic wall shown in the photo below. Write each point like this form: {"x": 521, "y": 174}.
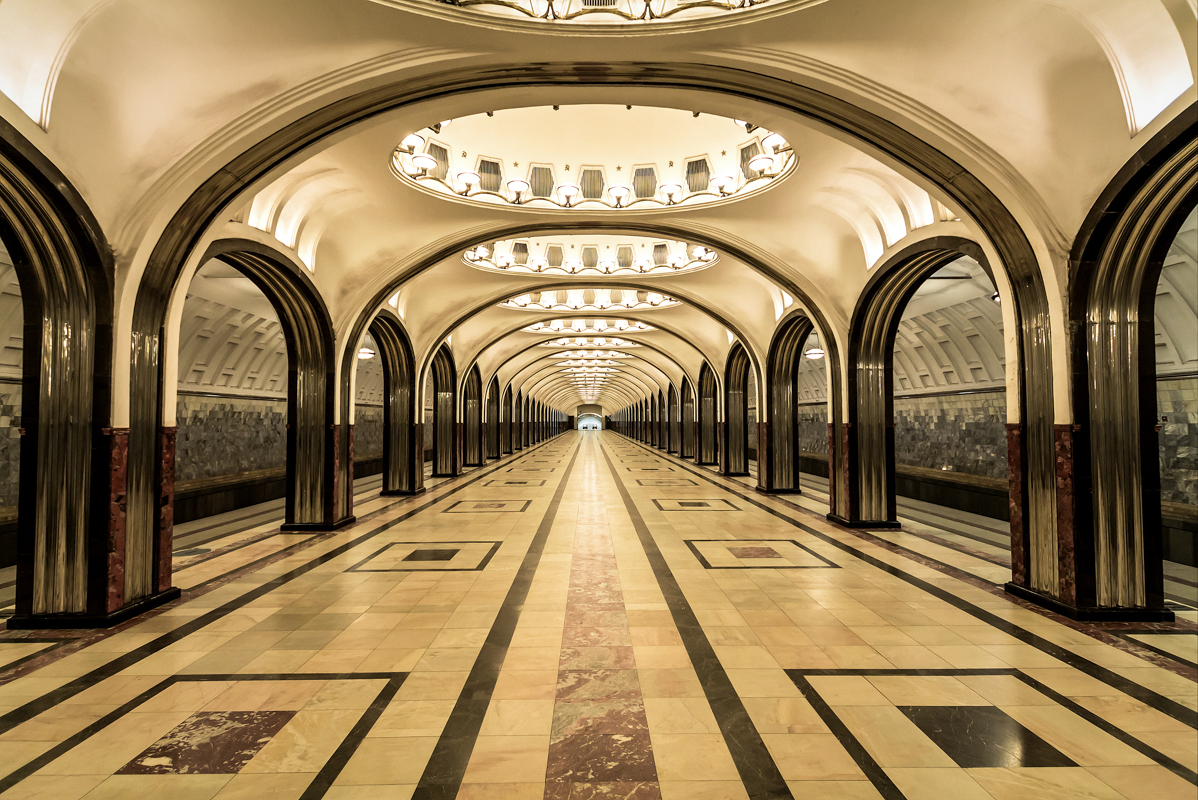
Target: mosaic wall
{"x": 1178, "y": 403}
{"x": 10, "y": 443}
{"x": 228, "y": 435}
{"x": 965, "y": 433}
{"x": 957, "y": 433}
{"x": 368, "y": 431}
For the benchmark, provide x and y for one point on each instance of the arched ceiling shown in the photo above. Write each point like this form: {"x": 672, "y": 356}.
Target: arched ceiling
{"x": 139, "y": 102}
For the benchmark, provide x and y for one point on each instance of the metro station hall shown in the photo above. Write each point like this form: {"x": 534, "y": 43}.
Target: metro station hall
{"x": 598, "y": 400}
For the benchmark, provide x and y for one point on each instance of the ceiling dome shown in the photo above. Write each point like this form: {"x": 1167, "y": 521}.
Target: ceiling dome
{"x": 593, "y": 158}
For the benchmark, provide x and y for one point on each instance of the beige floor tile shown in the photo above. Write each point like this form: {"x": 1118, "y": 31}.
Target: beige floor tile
{"x": 419, "y": 718}
{"x": 669, "y": 683}
{"x": 507, "y": 759}
{"x": 525, "y": 685}
{"x": 501, "y": 791}
{"x": 54, "y": 787}
{"x": 432, "y": 686}
{"x": 692, "y": 757}
{"x": 379, "y": 761}
{"x": 518, "y": 718}
{"x": 1043, "y": 783}
{"x": 159, "y": 787}
{"x": 118, "y": 744}
{"x": 1145, "y": 783}
{"x": 834, "y": 790}
{"x": 1005, "y": 690}
{"x": 847, "y": 690}
{"x": 371, "y": 792}
{"x": 285, "y": 786}
{"x": 663, "y": 657}
{"x": 937, "y": 784}
{"x": 811, "y": 757}
{"x": 926, "y": 690}
{"x": 703, "y": 790}
{"x": 1130, "y": 715}
{"x": 762, "y": 683}
{"x": 680, "y": 715}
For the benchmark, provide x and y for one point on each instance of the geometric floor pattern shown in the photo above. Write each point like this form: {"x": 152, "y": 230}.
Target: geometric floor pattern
{"x": 594, "y": 629}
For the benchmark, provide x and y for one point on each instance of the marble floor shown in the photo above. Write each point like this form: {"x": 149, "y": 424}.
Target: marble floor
{"x": 591, "y": 618}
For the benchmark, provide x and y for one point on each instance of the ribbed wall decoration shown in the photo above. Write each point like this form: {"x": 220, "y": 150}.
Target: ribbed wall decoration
{"x": 540, "y": 181}
{"x": 644, "y": 182}
{"x": 746, "y": 155}
{"x": 698, "y": 175}
{"x": 592, "y": 182}
{"x": 490, "y": 175}
{"x": 441, "y": 171}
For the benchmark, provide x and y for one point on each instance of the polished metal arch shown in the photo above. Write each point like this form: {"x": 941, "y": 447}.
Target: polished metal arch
{"x": 869, "y": 437}
{"x": 445, "y": 404}
{"x": 1111, "y": 456}
{"x": 403, "y": 436}
{"x": 778, "y": 465}
{"x": 492, "y": 423}
{"x": 674, "y": 421}
{"x": 707, "y": 409}
{"x": 735, "y": 461}
{"x": 70, "y": 535}
{"x": 472, "y": 418}
{"x": 689, "y": 422}
{"x": 505, "y": 420}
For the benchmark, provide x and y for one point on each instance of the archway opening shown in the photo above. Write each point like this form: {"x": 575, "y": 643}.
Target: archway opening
{"x": 949, "y": 403}
{"x": 368, "y": 422}
{"x": 1176, "y": 373}
{"x": 472, "y": 418}
{"x": 441, "y": 399}
{"x": 707, "y": 452}
{"x": 232, "y": 403}
{"x": 736, "y": 412}
{"x": 493, "y": 419}
{"x": 590, "y": 422}
{"x": 12, "y": 361}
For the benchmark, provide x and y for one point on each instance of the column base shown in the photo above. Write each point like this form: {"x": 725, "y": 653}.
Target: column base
{"x": 401, "y": 492}
{"x": 318, "y": 526}
{"x": 1089, "y": 614}
{"x": 778, "y": 491}
{"x": 864, "y": 523}
{"x": 66, "y": 621}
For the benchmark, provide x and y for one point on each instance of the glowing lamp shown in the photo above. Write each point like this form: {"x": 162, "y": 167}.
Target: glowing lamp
{"x": 424, "y": 162}
{"x": 815, "y": 353}
{"x": 761, "y": 163}
{"x": 724, "y": 184}
{"x": 365, "y": 353}
{"x": 413, "y": 141}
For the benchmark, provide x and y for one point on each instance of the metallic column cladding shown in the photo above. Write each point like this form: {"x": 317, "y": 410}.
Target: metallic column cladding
{"x": 663, "y": 422}
{"x": 403, "y": 460}
{"x": 687, "y": 423}
{"x": 736, "y": 413}
{"x": 675, "y": 419}
{"x": 472, "y": 418}
{"x": 781, "y": 468}
{"x": 492, "y": 424}
{"x": 518, "y": 422}
{"x": 706, "y": 452}
{"x": 445, "y": 404}
{"x": 1118, "y": 270}
{"x": 959, "y": 187}
{"x": 506, "y": 409}
{"x": 65, "y": 269}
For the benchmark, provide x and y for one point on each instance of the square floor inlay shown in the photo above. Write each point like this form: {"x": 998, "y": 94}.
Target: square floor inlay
{"x": 533, "y": 483}
{"x": 984, "y": 736}
{"x": 532, "y": 469}
{"x": 429, "y": 556}
{"x": 488, "y": 507}
{"x": 445, "y": 554}
{"x": 665, "y": 482}
{"x": 209, "y": 743}
{"x": 695, "y": 504}
{"x": 756, "y": 554}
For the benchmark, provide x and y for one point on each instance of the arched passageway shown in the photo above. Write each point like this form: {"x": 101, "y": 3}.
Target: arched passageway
{"x": 689, "y": 423}
{"x": 505, "y": 412}
{"x": 492, "y": 423}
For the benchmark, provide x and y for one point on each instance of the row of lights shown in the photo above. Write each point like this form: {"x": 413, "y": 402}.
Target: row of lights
{"x": 699, "y": 254}
{"x": 580, "y": 325}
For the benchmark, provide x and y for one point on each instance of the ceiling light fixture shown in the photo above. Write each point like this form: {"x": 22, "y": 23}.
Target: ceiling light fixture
{"x": 424, "y": 162}
{"x": 365, "y": 353}
{"x": 618, "y": 192}
{"x": 469, "y": 179}
{"x": 761, "y": 163}
{"x": 568, "y": 191}
{"x": 413, "y": 142}
{"x": 517, "y": 186}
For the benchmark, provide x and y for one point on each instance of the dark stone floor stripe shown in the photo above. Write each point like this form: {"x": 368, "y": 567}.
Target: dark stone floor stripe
{"x": 758, "y": 772}
{"x": 442, "y": 777}
{"x": 29, "y": 710}
{"x": 1111, "y": 678}
{"x": 324, "y": 779}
